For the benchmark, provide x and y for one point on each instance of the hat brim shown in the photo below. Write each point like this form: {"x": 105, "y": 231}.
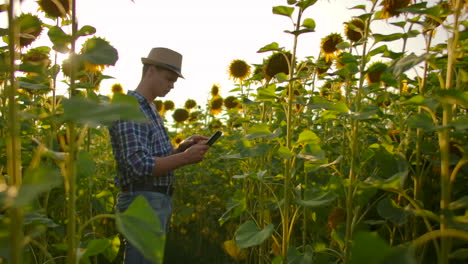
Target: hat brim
{"x": 163, "y": 65}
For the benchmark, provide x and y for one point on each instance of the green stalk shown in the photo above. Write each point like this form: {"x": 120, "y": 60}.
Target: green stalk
{"x": 288, "y": 162}
{"x": 355, "y": 148}
{"x": 444, "y": 139}
{"x": 13, "y": 144}
{"x": 71, "y": 164}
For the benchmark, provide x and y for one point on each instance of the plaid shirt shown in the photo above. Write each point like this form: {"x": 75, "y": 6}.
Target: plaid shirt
{"x": 135, "y": 146}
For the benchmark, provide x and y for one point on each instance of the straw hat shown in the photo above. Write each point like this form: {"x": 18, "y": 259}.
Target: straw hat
{"x": 165, "y": 58}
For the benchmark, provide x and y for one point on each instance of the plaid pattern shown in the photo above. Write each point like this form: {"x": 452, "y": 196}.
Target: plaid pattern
{"x": 135, "y": 145}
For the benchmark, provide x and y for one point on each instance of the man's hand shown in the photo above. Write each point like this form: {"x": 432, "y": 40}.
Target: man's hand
{"x": 196, "y": 152}
{"x": 190, "y": 141}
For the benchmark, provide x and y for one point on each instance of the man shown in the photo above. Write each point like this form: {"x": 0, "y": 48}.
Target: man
{"x": 143, "y": 151}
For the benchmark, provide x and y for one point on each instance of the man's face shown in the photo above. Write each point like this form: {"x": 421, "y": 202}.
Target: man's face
{"x": 163, "y": 81}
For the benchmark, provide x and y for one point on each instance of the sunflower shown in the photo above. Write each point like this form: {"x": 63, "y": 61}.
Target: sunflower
{"x": 30, "y": 28}
{"x": 190, "y": 103}
{"x": 180, "y": 115}
{"x": 168, "y": 105}
{"x": 231, "y": 102}
{"x": 239, "y": 70}
{"x": 67, "y": 67}
{"x": 214, "y": 90}
{"x": 328, "y": 46}
{"x": 277, "y": 63}
{"x": 391, "y": 7}
{"x": 216, "y": 105}
{"x": 322, "y": 65}
{"x": 38, "y": 57}
{"x": 55, "y": 8}
{"x": 215, "y": 124}
{"x": 117, "y": 88}
{"x": 159, "y": 105}
{"x": 354, "y": 29}
{"x": 90, "y": 46}
{"x": 375, "y": 71}
{"x": 178, "y": 139}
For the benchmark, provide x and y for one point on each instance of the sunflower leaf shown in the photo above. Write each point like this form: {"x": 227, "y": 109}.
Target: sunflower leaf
{"x": 58, "y": 36}
{"x": 283, "y": 10}
{"x": 86, "y": 30}
{"x": 305, "y": 4}
{"x": 270, "y": 47}
{"x": 309, "y": 23}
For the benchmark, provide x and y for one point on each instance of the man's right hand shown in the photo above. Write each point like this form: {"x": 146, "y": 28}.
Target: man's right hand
{"x": 196, "y": 152}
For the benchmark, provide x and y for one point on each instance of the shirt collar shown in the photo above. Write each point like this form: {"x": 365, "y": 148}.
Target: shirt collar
{"x": 141, "y": 99}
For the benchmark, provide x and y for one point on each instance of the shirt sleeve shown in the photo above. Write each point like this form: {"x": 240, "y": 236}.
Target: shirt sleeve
{"x": 134, "y": 139}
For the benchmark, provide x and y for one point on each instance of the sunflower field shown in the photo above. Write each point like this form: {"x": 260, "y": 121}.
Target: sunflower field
{"x": 355, "y": 155}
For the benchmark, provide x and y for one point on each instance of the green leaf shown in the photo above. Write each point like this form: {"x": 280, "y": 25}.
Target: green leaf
{"x": 283, "y": 10}
{"x": 421, "y": 121}
{"x": 308, "y": 136}
{"x": 35, "y": 182}
{"x": 258, "y": 131}
{"x": 407, "y": 62}
{"x": 314, "y": 198}
{"x": 32, "y": 86}
{"x": 453, "y": 97}
{"x": 95, "y": 114}
{"x": 389, "y": 210}
{"x": 461, "y": 253}
{"x": 363, "y": 7}
{"x": 387, "y": 38}
{"x": 305, "y": 3}
{"x": 285, "y": 153}
{"x": 96, "y": 247}
{"x": 140, "y": 225}
{"x": 371, "y": 249}
{"x": 99, "y": 52}
{"x": 378, "y": 50}
{"x": 461, "y": 203}
{"x": 32, "y": 218}
{"x": 309, "y": 23}
{"x": 249, "y": 234}
{"x": 270, "y": 47}
{"x": 86, "y": 30}
{"x": 59, "y": 38}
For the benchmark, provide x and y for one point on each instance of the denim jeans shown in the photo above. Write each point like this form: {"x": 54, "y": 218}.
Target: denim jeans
{"x": 161, "y": 204}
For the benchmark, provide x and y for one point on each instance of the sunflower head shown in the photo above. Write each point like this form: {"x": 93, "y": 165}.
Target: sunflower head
{"x": 354, "y": 29}
{"x": 215, "y": 124}
{"x": 159, "y": 105}
{"x": 375, "y": 71}
{"x": 239, "y": 70}
{"x": 89, "y": 46}
{"x": 231, "y": 102}
{"x": 391, "y": 7}
{"x": 117, "y": 88}
{"x": 38, "y": 57}
{"x": 214, "y": 90}
{"x": 180, "y": 115}
{"x": 30, "y": 28}
{"x": 216, "y": 105}
{"x": 67, "y": 66}
{"x": 55, "y": 8}
{"x": 177, "y": 140}
{"x": 322, "y": 65}
{"x": 168, "y": 105}
{"x": 328, "y": 47}
{"x": 190, "y": 104}
{"x": 278, "y": 62}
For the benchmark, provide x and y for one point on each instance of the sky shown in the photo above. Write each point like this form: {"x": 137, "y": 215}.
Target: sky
{"x": 208, "y": 33}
